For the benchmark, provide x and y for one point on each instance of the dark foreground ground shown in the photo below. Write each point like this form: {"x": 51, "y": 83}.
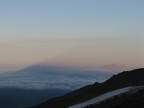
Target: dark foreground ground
{"x": 22, "y": 98}
{"x": 135, "y": 100}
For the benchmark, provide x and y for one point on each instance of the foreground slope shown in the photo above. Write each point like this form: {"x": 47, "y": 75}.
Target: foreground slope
{"x": 121, "y": 80}
{"x": 109, "y": 95}
{"x": 134, "y": 100}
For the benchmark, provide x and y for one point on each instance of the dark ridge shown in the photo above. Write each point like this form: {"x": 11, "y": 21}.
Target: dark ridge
{"x": 124, "y": 79}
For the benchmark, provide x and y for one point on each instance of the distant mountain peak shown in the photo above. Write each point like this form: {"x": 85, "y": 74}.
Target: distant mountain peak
{"x": 113, "y": 65}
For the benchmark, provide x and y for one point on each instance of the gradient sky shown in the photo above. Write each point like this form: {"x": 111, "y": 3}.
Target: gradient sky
{"x": 72, "y": 32}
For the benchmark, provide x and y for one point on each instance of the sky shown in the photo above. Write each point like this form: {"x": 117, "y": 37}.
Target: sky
{"x": 73, "y": 33}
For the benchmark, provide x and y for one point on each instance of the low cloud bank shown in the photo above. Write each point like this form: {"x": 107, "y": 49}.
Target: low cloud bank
{"x": 48, "y": 80}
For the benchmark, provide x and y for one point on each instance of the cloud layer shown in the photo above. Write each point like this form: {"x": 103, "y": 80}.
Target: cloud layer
{"x": 50, "y": 80}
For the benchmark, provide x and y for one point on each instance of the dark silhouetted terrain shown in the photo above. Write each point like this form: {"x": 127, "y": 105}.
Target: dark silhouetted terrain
{"x": 22, "y": 98}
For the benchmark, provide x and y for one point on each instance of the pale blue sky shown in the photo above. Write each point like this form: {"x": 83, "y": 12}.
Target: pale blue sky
{"x": 63, "y": 18}
{"x": 101, "y": 26}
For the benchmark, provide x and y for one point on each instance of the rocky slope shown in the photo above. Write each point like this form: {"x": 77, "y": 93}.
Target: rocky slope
{"x": 121, "y": 80}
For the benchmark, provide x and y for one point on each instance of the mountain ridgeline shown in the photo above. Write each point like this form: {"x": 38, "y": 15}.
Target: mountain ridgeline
{"x": 121, "y": 80}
